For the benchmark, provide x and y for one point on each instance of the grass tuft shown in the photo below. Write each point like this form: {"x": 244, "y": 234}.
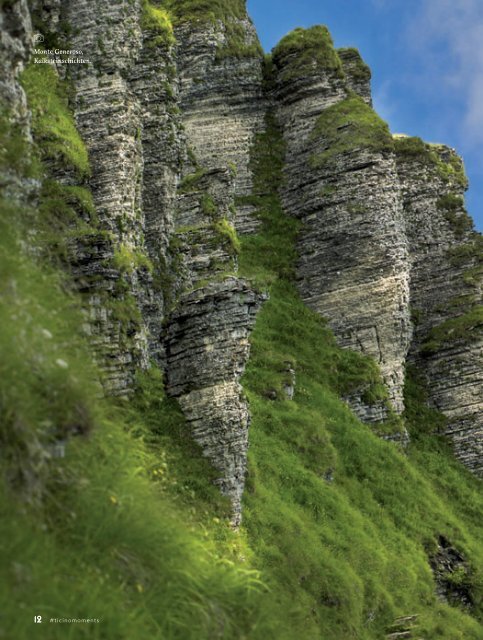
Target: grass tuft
{"x": 158, "y": 21}
{"x": 304, "y": 52}
{"x": 348, "y": 126}
{"x": 52, "y": 123}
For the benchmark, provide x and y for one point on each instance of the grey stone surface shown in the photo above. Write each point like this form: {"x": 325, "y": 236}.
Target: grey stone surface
{"x": 451, "y": 574}
{"x": 127, "y": 111}
{"x": 358, "y": 74}
{"x": 440, "y": 291}
{"x": 165, "y": 126}
{"x": 353, "y": 266}
{"x": 207, "y": 349}
{"x": 15, "y": 46}
{"x": 222, "y": 101}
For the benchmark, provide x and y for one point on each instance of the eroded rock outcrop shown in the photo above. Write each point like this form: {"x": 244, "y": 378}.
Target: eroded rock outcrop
{"x": 452, "y": 575}
{"x": 207, "y": 348}
{"x": 168, "y": 107}
{"x": 15, "y": 45}
{"x": 223, "y": 105}
{"x": 220, "y": 72}
{"x": 158, "y": 239}
{"x": 109, "y": 119}
{"x": 341, "y": 182}
{"x": 446, "y": 279}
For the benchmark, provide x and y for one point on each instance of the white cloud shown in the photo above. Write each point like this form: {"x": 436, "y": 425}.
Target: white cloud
{"x": 448, "y": 36}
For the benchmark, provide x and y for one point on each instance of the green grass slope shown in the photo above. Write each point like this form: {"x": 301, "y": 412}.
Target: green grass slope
{"x": 341, "y": 522}
{"x": 124, "y": 526}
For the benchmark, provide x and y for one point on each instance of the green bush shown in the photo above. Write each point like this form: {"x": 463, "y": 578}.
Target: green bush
{"x": 127, "y": 260}
{"x": 228, "y": 233}
{"x": 158, "y": 21}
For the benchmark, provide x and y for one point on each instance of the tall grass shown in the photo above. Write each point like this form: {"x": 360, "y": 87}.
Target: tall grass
{"x": 341, "y": 523}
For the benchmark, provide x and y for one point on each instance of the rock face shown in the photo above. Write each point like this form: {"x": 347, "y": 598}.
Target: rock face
{"x": 358, "y": 74}
{"x": 161, "y": 248}
{"x": 168, "y": 108}
{"x": 15, "y": 44}
{"x": 341, "y": 182}
{"x": 207, "y": 348}
{"x": 221, "y": 96}
{"x": 109, "y": 119}
{"x": 445, "y": 256}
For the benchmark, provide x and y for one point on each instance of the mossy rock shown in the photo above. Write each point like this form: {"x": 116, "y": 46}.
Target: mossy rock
{"x": 465, "y": 329}
{"x": 53, "y": 126}
{"x": 451, "y": 206}
{"x": 305, "y": 52}
{"x": 354, "y": 65}
{"x": 191, "y": 181}
{"x": 471, "y": 251}
{"x": 348, "y": 126}
{"x": 15, "y": 152}
{"x": 440, "y": 158}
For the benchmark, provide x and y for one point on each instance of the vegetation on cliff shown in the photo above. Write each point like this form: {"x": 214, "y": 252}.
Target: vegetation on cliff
{"x": 108, "y": 510}
{"x": 230, "y": 14}
{"x": 447, "y": 164}
{"x": 52, "y": 123}
{"x": 304, "y": 52}
{"x": 342, "y": 541}
{"x": 349, "y": 125}
{"x": 158, "y": 21}
{"x": 359, "y": 70}
{"x": 463, "y": 329}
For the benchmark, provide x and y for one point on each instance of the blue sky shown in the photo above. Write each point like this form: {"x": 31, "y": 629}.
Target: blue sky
{"x": 426, "y": 58}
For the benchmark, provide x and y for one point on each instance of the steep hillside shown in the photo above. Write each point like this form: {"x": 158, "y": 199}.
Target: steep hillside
{"x": 240, "y": 345}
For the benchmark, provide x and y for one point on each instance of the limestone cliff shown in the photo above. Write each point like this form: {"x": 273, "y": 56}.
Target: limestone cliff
{"x": 342, "y": 184}
{"x": 445, "y": 259}
{"x": 168, "y": 106}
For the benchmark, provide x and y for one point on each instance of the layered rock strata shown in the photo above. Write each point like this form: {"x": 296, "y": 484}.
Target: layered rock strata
{"x": 15, "y": 45}
{"x": 169, "y": 118}
{"x": 446, "y": 278}
{"x": 162, "y": 246}
{"x": 204, "y": 228}
{"x": 222, "y": 99}
{"x": 221, "y": 93}
{"x": 109, "y": 119}
{"x": 341, "y": 182}
{"x": 207, "y": 348}
{"x": 357, "y": 73}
